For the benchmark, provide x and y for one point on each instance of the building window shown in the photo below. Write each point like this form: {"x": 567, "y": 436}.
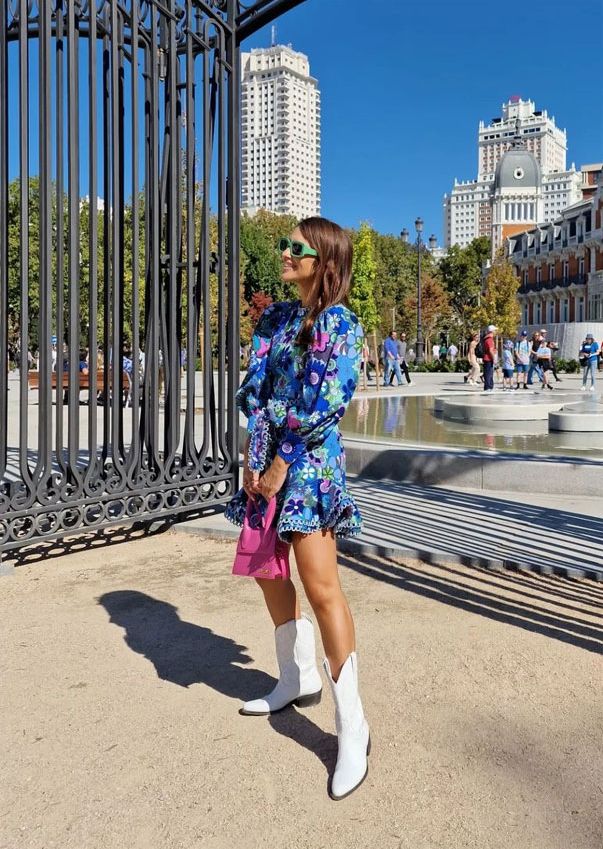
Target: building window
{"x": 538, "y": 313}
{"x": 551, "y": 318}
{"x": 580, "y": 309}
{"x": 565, "y": 309}
{"x": 581, "y": 265}
{"x": 538, "y": 274}
{"x": 565, "y": 270}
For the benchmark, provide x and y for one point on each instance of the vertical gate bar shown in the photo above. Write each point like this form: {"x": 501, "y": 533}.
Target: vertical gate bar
{"x": 107, "y": 156}
{"x": 155, "y": 244}
{"x": 44, "y": 467}
{"x": 232, "y": 57}
{"x": 4, "y": 242}
{"x": 116, "y": 254}
{"x": 191, "y": 323}
{"x": 134, "y": 462}
{"x": 204, "y": 250}
{"x": 221, "y": 271}
{"x": 92, "y": 245}
{"x": 60, "y": 243}
{"x": 24, "y": 245}
{"x": 73, "y": 150}
{"x": 172, "y": 408}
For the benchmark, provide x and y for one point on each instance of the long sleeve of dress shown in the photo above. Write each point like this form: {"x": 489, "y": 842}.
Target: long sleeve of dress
{"x": 255, "y": 388}
{"x": 330, "y": 377}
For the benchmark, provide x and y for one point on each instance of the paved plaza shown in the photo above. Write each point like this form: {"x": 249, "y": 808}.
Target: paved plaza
{"x": 478, "y": 613}
{"x": 124, "y": 666}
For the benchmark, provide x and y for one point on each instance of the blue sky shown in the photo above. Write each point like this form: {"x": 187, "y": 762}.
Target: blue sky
{"x": 404, "y": 86}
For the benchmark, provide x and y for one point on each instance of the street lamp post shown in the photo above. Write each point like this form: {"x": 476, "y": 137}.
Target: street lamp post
{"x": 420, "y": 353}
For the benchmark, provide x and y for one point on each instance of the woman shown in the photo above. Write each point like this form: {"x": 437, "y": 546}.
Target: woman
{"x": 302, "y": 374}
{"x": 472, "y": 378}
{"x": 543, "y": 358}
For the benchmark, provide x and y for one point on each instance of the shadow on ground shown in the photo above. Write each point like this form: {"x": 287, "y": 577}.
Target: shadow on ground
{"x": 185, "y": 653}
{"x": 456, "y": 588}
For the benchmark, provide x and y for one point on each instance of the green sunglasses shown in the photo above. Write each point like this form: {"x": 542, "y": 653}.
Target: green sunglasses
{"x": 296, "y": 249}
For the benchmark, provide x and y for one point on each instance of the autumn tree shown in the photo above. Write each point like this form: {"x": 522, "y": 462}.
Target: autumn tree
{"x": 499, "y": 304}
{"x": 436, "y": 311}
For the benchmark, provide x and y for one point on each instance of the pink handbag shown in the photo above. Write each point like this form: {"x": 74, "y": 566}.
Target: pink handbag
{"x": 260, "y": 553}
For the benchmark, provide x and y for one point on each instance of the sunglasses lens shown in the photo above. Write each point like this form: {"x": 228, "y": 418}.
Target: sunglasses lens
{"x": 283, "y": 244}
{"x": 297, "y": 249}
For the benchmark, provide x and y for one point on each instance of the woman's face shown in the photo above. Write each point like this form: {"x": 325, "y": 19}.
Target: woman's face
{"x": 300, "y": 271}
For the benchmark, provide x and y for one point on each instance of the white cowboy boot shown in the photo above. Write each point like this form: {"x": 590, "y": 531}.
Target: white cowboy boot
{"x": 299, "y": 681}
{"x": 352, "y": 730}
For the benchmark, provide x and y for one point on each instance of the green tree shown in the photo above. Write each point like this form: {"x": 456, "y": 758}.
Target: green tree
{"x": 260, "y": 259}
{"x": 395, "y": 278}
{"x": 499, "y": 304}
{"x": 461, "y": 273}
{"x": 364, "y": 269}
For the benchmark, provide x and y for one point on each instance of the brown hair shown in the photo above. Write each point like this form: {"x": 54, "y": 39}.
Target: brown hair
{"x": 333, "y": 269}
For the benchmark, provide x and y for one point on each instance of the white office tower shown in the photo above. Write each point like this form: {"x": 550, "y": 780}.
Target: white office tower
{"x": 540, "y": 134}
{"x": 468, "y": 209}
{"x": 280, "y": 133}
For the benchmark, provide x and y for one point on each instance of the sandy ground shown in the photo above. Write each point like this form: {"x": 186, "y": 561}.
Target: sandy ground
{"x": 122, "y": 670}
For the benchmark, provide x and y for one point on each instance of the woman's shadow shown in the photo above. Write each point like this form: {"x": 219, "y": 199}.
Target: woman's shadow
{"x": 185, "y": 654}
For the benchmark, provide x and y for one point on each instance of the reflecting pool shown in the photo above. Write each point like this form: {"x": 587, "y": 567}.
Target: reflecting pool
{"x": 412, "y": 420}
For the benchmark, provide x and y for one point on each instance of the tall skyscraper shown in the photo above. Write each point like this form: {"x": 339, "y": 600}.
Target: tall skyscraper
{"x": 280, "y": 133}
{"x": 470, "y": 209}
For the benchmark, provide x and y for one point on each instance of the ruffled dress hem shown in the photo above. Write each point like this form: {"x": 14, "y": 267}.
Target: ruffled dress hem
{"x": 344, "y": 519}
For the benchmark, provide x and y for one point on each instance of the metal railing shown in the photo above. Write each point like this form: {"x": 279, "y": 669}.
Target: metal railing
{"x": 119, "y": 259}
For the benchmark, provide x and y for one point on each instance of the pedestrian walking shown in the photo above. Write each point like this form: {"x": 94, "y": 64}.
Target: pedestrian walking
{"x": 554, "y": 348}
{"x": 453, "y": 352}
{"x": 508, "y": 365}
{"x": 402, "y": 346}
{"x": 473, "y": 376}
{"x": 294, "y": 453}
{"x": 490, "y": 358}
{"x": 392, "y": 359}
{"x": 589, "y": 352}
{"x": 543, "y": 355}
{"x": 534, "y": 366}
{"x": 522, "y": 359}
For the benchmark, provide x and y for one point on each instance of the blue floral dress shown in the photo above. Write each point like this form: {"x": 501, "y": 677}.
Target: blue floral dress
{"x": 293, "y": 400}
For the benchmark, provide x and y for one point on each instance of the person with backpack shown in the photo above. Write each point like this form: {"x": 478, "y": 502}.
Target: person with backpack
{"x": 489, "y": 358}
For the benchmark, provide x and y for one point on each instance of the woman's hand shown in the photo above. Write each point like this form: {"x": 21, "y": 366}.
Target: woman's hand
{"x": 250, "y": 479}
{"x": 273, "y": 478}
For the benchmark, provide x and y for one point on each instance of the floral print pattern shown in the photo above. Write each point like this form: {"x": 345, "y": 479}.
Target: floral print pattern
{"x": 293, "y": 400}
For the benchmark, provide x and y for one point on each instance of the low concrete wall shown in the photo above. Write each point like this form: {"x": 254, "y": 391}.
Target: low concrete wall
{"x": 473, "y": 469}
{"x": 433, "y": 466}
{"x": 570, "y": 335}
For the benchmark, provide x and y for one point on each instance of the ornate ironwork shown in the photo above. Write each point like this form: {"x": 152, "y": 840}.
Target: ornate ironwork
{"x": 119, "y": 210}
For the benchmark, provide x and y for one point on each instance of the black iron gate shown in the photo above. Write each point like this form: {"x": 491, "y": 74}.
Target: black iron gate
{"x": 119, "y": 278}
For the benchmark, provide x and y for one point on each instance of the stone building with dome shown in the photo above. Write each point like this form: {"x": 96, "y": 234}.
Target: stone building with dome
{"x": 517, "y": 202}
{"x": 537, "y": 187}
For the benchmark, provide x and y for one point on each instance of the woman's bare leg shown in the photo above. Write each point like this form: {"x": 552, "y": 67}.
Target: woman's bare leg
{"x": 281, "y": 600}
{"x": 316, "y": 558}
